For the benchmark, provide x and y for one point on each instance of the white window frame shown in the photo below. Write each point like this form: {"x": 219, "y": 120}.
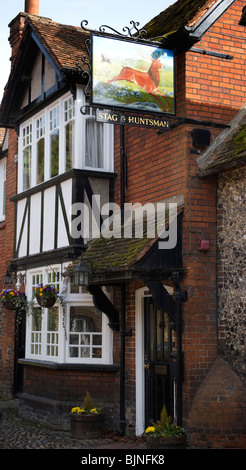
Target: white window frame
{"x": 79, "y": 140}
{"x": 78, "y": 299}
{"x": 3, "y": 167}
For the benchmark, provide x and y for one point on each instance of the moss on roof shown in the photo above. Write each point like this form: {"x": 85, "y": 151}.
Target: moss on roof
{"x": 230, "y": 151}
{"x": 176, "y": 17}
{"x": 116, "y": 253}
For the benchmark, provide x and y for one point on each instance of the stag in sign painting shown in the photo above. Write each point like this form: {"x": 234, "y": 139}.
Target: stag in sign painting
{"x": 150, "y": 69}
{"x": 148, "y": 81}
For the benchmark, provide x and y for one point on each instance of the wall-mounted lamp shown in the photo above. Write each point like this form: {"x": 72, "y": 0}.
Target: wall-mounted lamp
{"x": 8, "y": 278}
{"x": 81, "y": 273}
{"x": 11, "y": 277}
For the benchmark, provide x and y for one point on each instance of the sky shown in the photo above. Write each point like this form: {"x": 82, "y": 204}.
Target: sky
{"x": 114, "y": 13}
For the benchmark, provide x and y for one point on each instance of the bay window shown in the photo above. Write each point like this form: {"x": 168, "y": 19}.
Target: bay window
{"x": 74, "y": 332}
{"x": 61, "y": 138}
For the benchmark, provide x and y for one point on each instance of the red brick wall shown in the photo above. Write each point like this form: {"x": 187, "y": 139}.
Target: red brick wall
{"x": 7, "y": 334}
{"x": 160, "y": 166}
{"x": 71, "y": 385}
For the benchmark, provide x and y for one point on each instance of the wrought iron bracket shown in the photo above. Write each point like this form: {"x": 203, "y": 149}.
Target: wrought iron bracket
{"x": 84, "y": 67}
{"x": 130, "y": 32}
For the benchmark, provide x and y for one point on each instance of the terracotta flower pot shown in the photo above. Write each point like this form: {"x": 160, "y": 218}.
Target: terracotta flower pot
{"x": 169, "y": 442}
{"x": 46, "y": 302}
{"x": 85, "y": 426}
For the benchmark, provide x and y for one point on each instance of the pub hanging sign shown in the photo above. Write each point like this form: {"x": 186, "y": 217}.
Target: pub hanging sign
{"x": 132, "y": 120}
{"x": 134, "y": 76}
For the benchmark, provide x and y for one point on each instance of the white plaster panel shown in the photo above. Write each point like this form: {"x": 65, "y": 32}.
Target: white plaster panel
{"x": 20, "y": 214}
{"x": 35, "y": 224}
{"x": 66, "y": 188}
{"x": 49, "y": 219}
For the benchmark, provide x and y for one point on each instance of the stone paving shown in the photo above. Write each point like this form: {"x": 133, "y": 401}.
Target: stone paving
{"x": 17, "y": 433}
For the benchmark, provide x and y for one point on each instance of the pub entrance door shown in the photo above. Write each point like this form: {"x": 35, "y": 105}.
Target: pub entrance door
{"x": 159, "y": 356}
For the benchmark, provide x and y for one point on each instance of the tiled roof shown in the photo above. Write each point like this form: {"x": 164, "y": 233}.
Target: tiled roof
{"x": 64, "y": 43}
{"x": 228, "y": 150}
{"x": 183, "y": 13}
{"x": 119, "y": 254}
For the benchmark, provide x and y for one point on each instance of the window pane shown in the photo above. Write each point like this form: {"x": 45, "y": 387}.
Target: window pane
{"x": 40, "y": 161}
{"x": 94, "y": 142}
{"x": 36, "y": 331}
{"x": 85, "y": 337}
{"x": 27, "y": 154}
{"x": 69, "y": 133}
{"x": 37, "y": 319}
{"x": 54, "y": 152}
{"x": 53, "y": 319}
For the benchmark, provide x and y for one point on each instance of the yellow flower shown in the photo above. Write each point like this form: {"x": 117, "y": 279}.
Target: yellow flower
{"x": 150, "y": 429}
{"x": 75, "y": 409}
{"x": 40, "y": 290}
{"x": 93, "y": 410}
{"x": 12, "y": 293}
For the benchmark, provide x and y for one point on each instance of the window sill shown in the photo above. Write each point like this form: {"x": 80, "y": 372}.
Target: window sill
{"x": 69, "y": 366}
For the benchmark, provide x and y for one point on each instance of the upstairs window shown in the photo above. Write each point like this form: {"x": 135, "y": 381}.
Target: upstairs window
{"x": 69, "y": 123}
{"x": 40, "y": 131}
{"x": 94, "y": 151}
{"x": 2, "y": 189}
{"x": 54, "y": 142}
{"x": 27, "y": 156}
{"x": 61, "y": 138}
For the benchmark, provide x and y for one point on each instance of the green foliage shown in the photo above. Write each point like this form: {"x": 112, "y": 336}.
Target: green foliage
{"x": 165, "y": 419}
{"x": 88, "y": 404}
{"x": 164, "y": 427}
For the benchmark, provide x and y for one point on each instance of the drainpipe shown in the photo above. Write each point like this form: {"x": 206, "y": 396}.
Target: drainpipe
{"x": 122, "y": 172}
{"x": 180, "y": 296}
{"x": 123, "y": 332}
{"x": 122, "y": 361}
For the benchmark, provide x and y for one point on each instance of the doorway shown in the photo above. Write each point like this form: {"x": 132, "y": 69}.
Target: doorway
{"x": 158, "y": 351}
{"x": 155, "y": 361}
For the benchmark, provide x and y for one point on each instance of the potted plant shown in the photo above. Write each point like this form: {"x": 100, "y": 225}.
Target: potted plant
{"x": 164, "y": 434}
{"x": 46, "y": 295}
{"x": 13, "y": 299}
{"x": 87, "y": 421}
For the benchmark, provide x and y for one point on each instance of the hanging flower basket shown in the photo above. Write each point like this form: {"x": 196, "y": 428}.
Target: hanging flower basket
{"x": 46, "y": 295}
{"x": 12, "y": 299}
